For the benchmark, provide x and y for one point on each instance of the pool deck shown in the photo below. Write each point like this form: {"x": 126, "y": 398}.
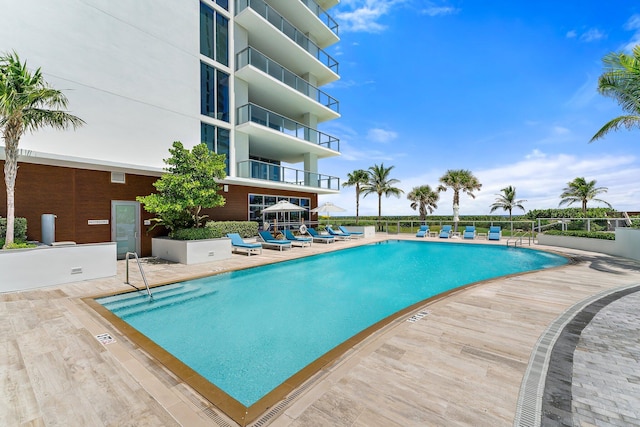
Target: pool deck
{"x": 459, "y": 360}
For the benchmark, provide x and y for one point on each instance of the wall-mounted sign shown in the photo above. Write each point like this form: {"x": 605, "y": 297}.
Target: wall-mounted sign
{"x": 98, "y": 222}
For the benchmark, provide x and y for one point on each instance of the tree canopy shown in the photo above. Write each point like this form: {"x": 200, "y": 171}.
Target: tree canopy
{"x": 27, "y": 103}
{"x": 189, "y": 185}
{"x": 507, "y": 201}
{"x": 621, "y": 81}
{"x": 358, "y": 178}
{"x": 381, "y": 184}
{"x": 424, "y": 199}
{"x": 582, "y": 191}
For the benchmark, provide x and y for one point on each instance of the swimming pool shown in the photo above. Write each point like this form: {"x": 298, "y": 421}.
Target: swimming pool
{"x": 248, "y": 331}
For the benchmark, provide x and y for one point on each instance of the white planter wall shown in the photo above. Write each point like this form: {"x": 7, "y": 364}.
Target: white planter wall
{"x": 368, "y": 230}
{"x": 23, "y": 269}
{"x": 191, "y": 251}
{"x": 627, "y": 243}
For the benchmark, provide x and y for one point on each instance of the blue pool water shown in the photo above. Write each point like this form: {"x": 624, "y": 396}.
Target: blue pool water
{"x": 248, "y": 331}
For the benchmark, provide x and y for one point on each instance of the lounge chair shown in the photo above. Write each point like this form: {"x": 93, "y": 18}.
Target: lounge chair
{"x": 495, "y": 233}
{"x": 317, "y": 237}
{"x": 357, "y": 234}
{"x": 239, "y": 245}
{"x": 423, "y": 231}
{"x": 301, "y": 241}
{"x": 469, "y": 232}
{"x": 339, "y": 236}
{"x": 268, "y": 241}
{"x": 445, "y": 232}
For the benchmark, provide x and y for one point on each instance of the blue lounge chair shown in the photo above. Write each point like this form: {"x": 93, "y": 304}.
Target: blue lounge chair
{"x": 317, "y": 237}
{"x": 356, "y": 234}
{"x": 445, "y": 232}
{"x": 301, "y": 241}
{"x": 239, "y": 245}
{"x": 469, "y": 232}
{"x": 423, "y": 231}
{"x": 268, "y": 241}
{"x": 495, "y": 233}
{"x": 339, "y": 236}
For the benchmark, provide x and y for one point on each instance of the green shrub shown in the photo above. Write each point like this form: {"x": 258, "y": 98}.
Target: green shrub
{"x": 19, "y": 228}
{"x": 582, "y": 233}
{"x": 201, "y": 233}
{"x": 243, "y": 228}
{"x": 18, "y": 245}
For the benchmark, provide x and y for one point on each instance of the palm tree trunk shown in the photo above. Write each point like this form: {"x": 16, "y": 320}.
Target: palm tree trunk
{"x": 380, "y": 211}
{"x": 10, "y": 173}
{"x": 357, "y": 203}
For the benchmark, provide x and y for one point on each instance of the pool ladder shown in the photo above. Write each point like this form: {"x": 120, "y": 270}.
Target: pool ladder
{"x": 519, "y": 238}
{"x": 144, "y": 278}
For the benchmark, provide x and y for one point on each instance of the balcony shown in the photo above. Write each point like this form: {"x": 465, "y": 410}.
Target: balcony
{"x": 276, "y": 137}
{"x": 310, "y": 18}
{"x": 263, "y": 171}
{"x": 260, "y": 71}
{"x": 271, "y": 33}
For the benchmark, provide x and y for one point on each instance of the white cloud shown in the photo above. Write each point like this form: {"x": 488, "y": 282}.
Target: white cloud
{"x": 592, "y": 34}
{"x": 633, "y": 24}
{"x": 439, "y": 10}
{"x": 538, "y": 177}
{"x": 381, "y": 135}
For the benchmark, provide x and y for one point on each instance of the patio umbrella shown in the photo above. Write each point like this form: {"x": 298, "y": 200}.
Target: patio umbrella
{"x": 327, "y": 208}
{"x": 282, "y": 206}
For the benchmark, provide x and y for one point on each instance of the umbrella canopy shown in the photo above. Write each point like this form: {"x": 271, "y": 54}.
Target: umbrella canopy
{"x": 283, "y": 206}
{"x": 328, "y": 207}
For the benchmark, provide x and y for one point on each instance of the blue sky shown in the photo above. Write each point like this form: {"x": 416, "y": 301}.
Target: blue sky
{"x": 506, "y": 89}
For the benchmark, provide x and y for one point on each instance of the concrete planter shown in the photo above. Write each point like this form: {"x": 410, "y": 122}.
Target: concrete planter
{"x": 368, "y": 230}
{"x": 24, "y": 269}
{"x": 191, "y": 251}
{"x": 627, "y": 243}
{"x": 582, "y": 243}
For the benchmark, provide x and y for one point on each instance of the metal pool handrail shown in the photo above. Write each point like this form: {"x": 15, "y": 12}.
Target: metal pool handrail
{"x": 144, "y": 278}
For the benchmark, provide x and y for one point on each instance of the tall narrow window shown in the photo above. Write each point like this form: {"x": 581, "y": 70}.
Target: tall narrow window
{"x": 217, "y": 139}
{"x": 214, "y": 34}
{"x": 207, "y": 90}
{"x": 222, "y": 39}
{"x": 222, "y": 96}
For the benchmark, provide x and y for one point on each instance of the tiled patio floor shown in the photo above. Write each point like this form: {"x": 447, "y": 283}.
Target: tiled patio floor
{"x": 461, "y": 364}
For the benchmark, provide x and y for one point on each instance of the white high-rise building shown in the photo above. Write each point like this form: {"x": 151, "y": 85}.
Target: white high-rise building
{"x": 243, "y": 76}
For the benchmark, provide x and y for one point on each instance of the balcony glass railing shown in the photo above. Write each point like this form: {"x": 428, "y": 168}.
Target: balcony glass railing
{"x": 253, "y": 113}
{"x": 270, "y": 14}
{"x": 322, "y": 15}
{"x": 255, "y": 169}
{"x": 250, "y": 56}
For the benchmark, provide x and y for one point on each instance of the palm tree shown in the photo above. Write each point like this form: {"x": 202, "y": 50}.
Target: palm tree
{"x": 27, "y": 103}
{"x": 424, "y": 198}
{"x": 380, "y": 183}
{"x": 459, "y": 180}
{"x": 579, "y": 190}
{"x": 357, "y": 178}
{"x": 507, "y": 201}
{"x": 621, "y": 81}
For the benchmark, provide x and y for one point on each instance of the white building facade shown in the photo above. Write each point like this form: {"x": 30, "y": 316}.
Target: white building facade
{"x": 245, "y": 77}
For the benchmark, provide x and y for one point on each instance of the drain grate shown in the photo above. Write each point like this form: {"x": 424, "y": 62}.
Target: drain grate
{"x": 284, "y": 403}
{"x": 529, "y": 408}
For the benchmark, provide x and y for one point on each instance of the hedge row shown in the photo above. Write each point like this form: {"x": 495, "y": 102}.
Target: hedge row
{"x": 217, "y": 229}
{"x": 582, "y": 233}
